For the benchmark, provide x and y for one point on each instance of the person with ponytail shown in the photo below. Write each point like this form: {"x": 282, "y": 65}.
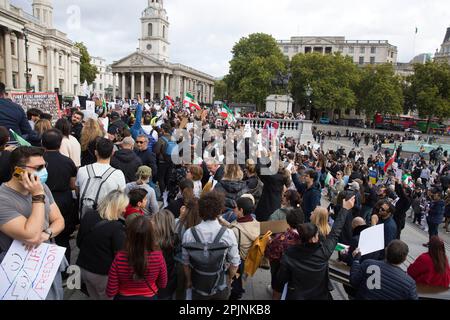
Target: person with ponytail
{"x": 138, "y": 271}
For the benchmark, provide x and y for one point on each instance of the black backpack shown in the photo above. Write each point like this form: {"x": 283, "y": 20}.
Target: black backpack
{"x": 207, "y": 261}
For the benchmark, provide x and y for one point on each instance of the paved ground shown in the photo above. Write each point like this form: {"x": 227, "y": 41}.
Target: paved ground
{"x": 257, "y": 287}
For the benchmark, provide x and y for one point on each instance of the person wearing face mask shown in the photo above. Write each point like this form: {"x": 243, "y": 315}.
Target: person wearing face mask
{"x": 28, "y": 212}
{"x": 62, "y": 174}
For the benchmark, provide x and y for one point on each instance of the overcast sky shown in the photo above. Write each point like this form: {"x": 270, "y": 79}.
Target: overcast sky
{"x": 203, "y": 32}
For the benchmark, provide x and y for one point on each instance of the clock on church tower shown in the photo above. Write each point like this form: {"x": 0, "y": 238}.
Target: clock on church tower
{"x": 154, "y": 39}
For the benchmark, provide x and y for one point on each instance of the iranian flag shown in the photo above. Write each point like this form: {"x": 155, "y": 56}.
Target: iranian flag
{"x": 190, "y": 102}
{"x": 390, "y": 162}
{"x": 227, "y": 114}
{"x": 169, "y": 101}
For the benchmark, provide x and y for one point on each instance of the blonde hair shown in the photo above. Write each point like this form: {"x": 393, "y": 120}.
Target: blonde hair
{"x": 113, "y": 205}
{"x": 90, "y": 132}
{"x": 233, "y": 172}
{"x": 164, "y": 228}
{"x": 250, "y": 166}
{"x": 42, "y": 125}
{"x": 320, "y": 219}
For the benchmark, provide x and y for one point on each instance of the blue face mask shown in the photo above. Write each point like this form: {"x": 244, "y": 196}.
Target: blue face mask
{"x": 43, "y": 175}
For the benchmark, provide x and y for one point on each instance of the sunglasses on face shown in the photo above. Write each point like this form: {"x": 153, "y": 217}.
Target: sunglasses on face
{"x": 140, "y": 142}
{"x": 38, "y": 168}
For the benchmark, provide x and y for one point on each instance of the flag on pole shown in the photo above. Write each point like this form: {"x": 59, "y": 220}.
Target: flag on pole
{"x": 189, "y": 102}
{"x": 22, "y": 142}
{"x": 227, "y": 114}
{"x": 390, "y": 162}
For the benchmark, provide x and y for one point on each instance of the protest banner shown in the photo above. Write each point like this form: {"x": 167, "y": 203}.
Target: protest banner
{"x": 46, "y": 102}
{"x": 28, "y": 275}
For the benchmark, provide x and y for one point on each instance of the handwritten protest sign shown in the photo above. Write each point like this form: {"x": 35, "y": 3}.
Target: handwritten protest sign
{"x": 28, "y": 275}
{"x": 46, "y": 102}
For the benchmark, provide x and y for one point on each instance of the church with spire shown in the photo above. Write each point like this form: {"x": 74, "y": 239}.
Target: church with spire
{"x": 30, "y": 38}
{"x": 443, "y": 55}
{"x": 148, "y": 72}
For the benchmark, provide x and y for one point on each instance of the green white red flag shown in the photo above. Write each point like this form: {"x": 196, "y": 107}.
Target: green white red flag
{"x": 189, "y": 102}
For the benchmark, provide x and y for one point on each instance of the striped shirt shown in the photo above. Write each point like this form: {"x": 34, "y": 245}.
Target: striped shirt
{"x": 121, "y": 282}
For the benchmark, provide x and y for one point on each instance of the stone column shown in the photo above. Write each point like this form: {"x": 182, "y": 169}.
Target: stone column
{"x": 142, "y": 86}
{"x": 184, "y": 87}
{"x": 8, "y": 61}
{"x": 49, "y": 69}
{"x": 212, "y": 94}
{"x": 207, "y": 93}
{"x": 22, "y": 64}
{"x": 124, "y": 84}
{"x": 177, "y": 87}
{"x": 152, "y": 86}
{"x": 167, "y": 89}
{"x": 70, "y": 79}
{"x": 161, "y": 89}
{"x": 66, "y": 72}
{"x": 114, "y": 86}
{"x": 133, "y": 86}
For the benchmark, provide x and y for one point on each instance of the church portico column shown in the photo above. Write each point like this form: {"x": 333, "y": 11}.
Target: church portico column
{"x": 152, "y": 86}
{"x": 124, "y": 92}
{"x": 161, "y": 87}
{"x": 114, "y": 86}
{"x": 133, "y": 83}
{"x": 142, "y": 85}
{"x": 167, "y": 88}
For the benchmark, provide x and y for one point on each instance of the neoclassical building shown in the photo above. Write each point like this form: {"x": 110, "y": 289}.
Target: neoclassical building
{"x": 53, "y": 60}
{"x": 147, "y": 71}
{"x": 444, "y": 54}
{"x": 102, "y": 87}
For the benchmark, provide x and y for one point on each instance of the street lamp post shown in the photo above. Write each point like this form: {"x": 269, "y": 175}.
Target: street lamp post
{"x": 25, "y": 34}
{"x": 309, "y": 92}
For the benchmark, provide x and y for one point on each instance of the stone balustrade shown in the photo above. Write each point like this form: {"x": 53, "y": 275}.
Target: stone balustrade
{"x": 300, "y": 130}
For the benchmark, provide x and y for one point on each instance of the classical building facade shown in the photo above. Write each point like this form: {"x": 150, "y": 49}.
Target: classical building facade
{"x": 147, "y": 71}
{"x": 444, "y": 53}
{"x": 53, "y": 60}
{"x": 102, "y": 87}
{"x": 361, "y": 51}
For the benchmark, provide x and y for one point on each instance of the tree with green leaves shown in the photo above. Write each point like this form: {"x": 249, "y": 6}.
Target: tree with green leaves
{"x": 331, "y": 79}
{"x": 256, "y": 61}
{"x": 88, "y": 72}
{"x": 430, "y": 90}
{"x": 380, "y": 91}
{"x": 221, "y": 90}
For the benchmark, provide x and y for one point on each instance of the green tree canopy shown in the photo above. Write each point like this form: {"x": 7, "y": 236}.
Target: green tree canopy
{"x": 430, "y": 89}
{"x": 88, "y": 72}
{"x": 220, "y": 90}
{"x": 256, "y": 61}
{"x": 332, "y": 79}
{"x": 380, "y": 90}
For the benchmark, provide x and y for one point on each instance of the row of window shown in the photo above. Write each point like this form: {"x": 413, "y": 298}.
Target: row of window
{"x": 362, "y": 50}
{"x": 150, "y": 30}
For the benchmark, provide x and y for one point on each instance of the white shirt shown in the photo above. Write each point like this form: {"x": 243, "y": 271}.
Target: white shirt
{"x": 207, "y": 232}
{"x": 114, "y": 182}
{"x": 198, "y": 189}
{"x": 70, "y": 147}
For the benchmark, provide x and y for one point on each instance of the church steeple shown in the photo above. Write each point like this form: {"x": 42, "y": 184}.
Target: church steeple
{"x": 154, "y": 39}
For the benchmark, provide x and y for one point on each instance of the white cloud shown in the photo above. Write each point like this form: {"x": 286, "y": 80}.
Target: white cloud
{"x": 202, "y": 32}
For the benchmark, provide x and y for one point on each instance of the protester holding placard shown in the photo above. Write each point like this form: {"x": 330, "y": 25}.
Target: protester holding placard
{"x": 28, "y": 212}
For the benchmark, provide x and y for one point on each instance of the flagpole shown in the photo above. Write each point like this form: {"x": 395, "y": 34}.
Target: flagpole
{"x": 414, "y": 43}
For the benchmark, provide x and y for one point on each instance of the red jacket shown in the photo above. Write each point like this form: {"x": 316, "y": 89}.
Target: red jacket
{"x": 423, "y": 272}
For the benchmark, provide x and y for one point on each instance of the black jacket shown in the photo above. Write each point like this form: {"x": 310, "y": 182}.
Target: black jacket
{"x": 128, "y": 162}
{"x": 402, "y": 206}
{"x": 76, "y": 131}
{"x": 233, "y": 190}
{"x": 148, "y": 158}
{"x": 305, "y": 266}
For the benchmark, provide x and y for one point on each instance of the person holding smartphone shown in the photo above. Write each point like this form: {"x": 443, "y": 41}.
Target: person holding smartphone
{"x": 28, "y": 212}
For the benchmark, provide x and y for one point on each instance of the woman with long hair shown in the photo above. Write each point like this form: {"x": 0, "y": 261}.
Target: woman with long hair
{"x": 254, "y": 184}
{"x": 167, "y": 240}
{"x": 320, "y": 217}
{"x": 432, "y": 268}
{"x": 42, "y": 125}
{"x": 139, "y": 271}
{"x": 89, "y": 135}
{"x": 100, "y": 237}
{"x": 70, "y": 147}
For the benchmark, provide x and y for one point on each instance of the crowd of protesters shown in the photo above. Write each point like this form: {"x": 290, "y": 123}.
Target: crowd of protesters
{"x": 143, "y": 223}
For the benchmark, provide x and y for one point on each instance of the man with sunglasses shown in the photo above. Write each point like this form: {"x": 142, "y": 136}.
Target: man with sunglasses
{"x": 28, "y": 212}
{"x": 384, "y": 214}
{"x": 146, "y": 155}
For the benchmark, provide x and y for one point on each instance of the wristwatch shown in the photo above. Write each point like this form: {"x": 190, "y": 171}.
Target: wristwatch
{"x": 49, "y": 232}
{"x": 38, "y": 199}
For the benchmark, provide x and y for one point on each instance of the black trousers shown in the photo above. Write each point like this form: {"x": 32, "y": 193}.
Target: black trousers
{"x": 164, "y": 171}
